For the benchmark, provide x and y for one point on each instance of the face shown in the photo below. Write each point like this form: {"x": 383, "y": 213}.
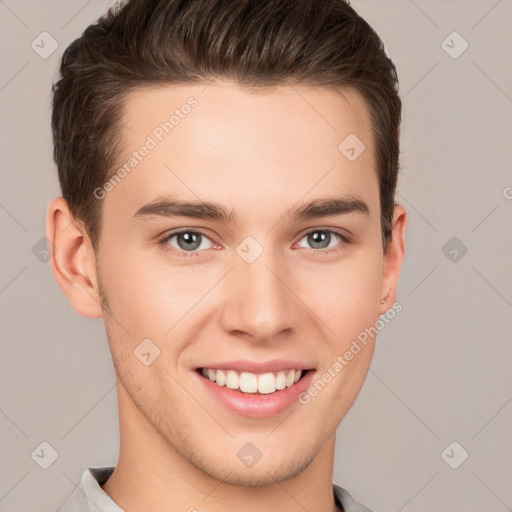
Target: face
{"x": 279, "y": 274}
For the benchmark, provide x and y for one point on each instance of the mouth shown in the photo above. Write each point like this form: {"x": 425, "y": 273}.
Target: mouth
{"x": 265, "y": 391}
{"x": 253, "y": 383}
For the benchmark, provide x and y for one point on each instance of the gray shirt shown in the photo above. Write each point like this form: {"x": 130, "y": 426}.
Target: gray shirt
{"x": 90, "y": 497}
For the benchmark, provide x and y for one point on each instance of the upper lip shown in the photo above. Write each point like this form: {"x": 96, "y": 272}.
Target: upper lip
{"x": 258, "y": 367}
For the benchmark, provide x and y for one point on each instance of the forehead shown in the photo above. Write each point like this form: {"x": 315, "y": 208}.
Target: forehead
{"x": 256, "y": 149}
{"x": 247, "y": 112}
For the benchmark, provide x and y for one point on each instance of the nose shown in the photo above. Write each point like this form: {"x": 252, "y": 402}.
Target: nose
{"x": 260, "y": 302}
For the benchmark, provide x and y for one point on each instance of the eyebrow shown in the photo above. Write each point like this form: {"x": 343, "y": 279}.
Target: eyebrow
{"x": 323, "y": 207}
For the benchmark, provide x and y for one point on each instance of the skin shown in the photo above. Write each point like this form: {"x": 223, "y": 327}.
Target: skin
{"x": 261, "y": 154}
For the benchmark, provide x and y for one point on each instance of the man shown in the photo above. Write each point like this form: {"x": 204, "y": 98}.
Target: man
{"x": 263, "y": 135}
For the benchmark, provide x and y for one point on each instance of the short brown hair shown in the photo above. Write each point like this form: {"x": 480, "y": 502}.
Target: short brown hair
{"x": 256, "y": 43}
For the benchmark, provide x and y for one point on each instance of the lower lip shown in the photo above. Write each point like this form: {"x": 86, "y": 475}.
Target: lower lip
{"x": 257, "y": 405}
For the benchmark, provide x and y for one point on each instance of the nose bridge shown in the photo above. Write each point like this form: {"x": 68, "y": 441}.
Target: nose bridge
{"x": 259, "y": 302}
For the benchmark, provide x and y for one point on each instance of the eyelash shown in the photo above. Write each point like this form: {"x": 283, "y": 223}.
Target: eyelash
{"x": 345, "y": 240}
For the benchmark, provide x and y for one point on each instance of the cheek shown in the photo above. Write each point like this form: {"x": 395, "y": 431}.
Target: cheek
{"x": 347, "y": 296}
{"x": 149, "y": 296}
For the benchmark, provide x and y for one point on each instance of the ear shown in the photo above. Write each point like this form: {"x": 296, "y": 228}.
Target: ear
{"x": 72, "y": 259}
{"x": 393, "y": 259}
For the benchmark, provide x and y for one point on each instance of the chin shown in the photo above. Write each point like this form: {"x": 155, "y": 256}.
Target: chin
{"x": 261, "y": 474}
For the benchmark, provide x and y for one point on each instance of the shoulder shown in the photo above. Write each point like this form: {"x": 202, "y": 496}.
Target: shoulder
{"x": 348, "y": 503}
{"x": 89, "y": 496}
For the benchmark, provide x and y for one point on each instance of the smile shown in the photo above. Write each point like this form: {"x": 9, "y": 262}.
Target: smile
{"x": 255, "y": 389}
{"x": 252, "y": 383}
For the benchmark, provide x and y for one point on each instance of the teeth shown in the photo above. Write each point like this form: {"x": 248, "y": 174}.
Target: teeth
{"x": 220, "y": 378}
{"x": 280, "y": 380}
{"x": 232, "y": 380}
{"x": 266, "y": 383}
{"x": 247, "y": 382}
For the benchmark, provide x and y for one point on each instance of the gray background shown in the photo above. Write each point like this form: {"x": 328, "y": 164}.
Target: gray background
{"x": 441, "y": 370}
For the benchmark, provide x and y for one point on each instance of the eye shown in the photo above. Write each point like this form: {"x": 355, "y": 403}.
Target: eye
{"x": 322, "y": 239}
{"x": 186, "y": 241}
{"x": 189, "y": 243}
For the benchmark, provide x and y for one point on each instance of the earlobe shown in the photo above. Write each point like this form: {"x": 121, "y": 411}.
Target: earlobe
{"x": 72, "y": 259}
{"x": 393, "y": 259}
